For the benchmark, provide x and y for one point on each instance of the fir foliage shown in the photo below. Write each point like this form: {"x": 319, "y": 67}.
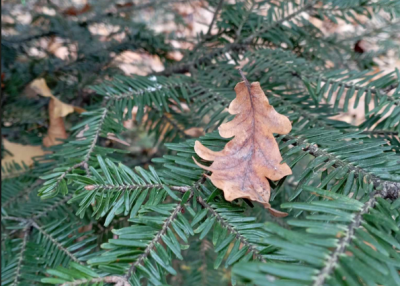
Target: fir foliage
{"x": 82, "y": 216}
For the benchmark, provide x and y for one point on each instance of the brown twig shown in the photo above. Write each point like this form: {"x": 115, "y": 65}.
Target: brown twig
{"x": 153, "y": 242}
{"x": 21, "y": 256}
{"x": 340, "y": 249}
{"x": 134, "y": 187}
{"x": 22, "y": 193}
{"x": 226, "y": 225}
{"x": 117, "y": 280}
{"x": 31, "y": 222}
{"x": 214, "y": 17}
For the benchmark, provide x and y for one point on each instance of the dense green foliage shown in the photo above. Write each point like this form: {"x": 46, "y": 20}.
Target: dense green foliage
{"x": 91, "y": 213}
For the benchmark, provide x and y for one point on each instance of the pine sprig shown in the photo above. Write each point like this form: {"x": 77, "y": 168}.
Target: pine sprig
{"x": 387, "y": 189}
{"x": 117, "y": 280}
{"x": 53, "y": 238}
{"x": 225, "y": 224}
{"x": 157, "y": 237}
{"x": 21, "y": 256}
{"x": 342, "y": 244}
{"x": 335, "y": 226}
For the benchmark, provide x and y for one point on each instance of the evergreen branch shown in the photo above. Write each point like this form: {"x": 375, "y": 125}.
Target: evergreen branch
{"x": 176, "y": 126}
{"x": 226, "y": 225}
{"x": 135, "y": 187}
{"x": 201, "y": 43}
{"x": 245, "y": 18}
{"x": 279, "y": 22}
{"x": 214, "y": 17}
{"x": 55, "y": 242}
{"x": 122, "y": 9}
{"x": 381, "y": 132}
{"x": 308, "y": 115}
{"x": 183, "y": 68}
{"x": 216, "y": 96}
{"x": 95, "y": 138}
{"x": 52, "y": 207}
{"x": 203, "y": 252}
{"x": 66, "y": 172}
{"x": 16, "y": 40}
{"x": 373, "y": 90}
{"x": 332, "y": 241}
{"x": 13, "y": 175}
{"x": 165, "y": 227}
{"x": 104, "y": 230}
{"x": 342, "y": 244}
{"x": 84, "y": 162}
{"x": 117, "y": 280}
{"x": 21, "y": 256}
{"x": 142, "y": 91}
{"x": 357, "y": 240}
{"x": 32, "y": 222}
{"x": 21, "y": 194}
{"x": 316, "y": 120}
{"x": 14, "y": 218}
{"x": 386, "y": 189}
{"x": 153, "y": 242}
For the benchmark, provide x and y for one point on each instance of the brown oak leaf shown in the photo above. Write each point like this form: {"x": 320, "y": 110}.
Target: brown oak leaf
{"x": 241, "y": 169}
{"x": 57, "y": 110}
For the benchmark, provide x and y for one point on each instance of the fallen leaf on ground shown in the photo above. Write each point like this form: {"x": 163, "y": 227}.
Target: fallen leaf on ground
{"x": 57, "y": 110}
{"x": 61, "y": 109}
{"x": 56, "y": 127}
{"x": 72, "y": 11}
{"x": 20, "y": 153}
{"x": 241, "y": 169}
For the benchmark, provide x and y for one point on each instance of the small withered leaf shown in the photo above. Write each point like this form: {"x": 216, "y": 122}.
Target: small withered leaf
{"x": 113, "y": 137}
{"x": 241, "y": 169}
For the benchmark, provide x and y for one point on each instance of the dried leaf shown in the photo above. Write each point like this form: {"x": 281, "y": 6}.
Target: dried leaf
{"x": 370, "y": 245}
{"x": 79, "y": 110}
{"x": 40, "y": 86}
{"x": 56, "y": 127}
{"x": 57, "y": 110}
{"x": 195, "y": 132}
{"x": 112, "y": 136}
{"x": 61, "y": 109}
{"x": 241, "y": 169}
{"x": 20, "y": 153}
